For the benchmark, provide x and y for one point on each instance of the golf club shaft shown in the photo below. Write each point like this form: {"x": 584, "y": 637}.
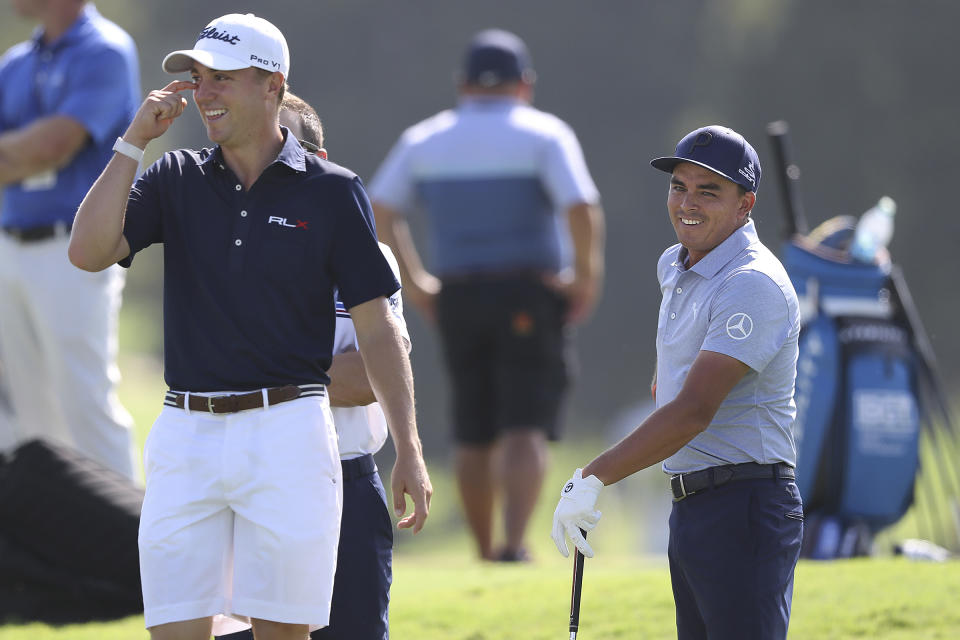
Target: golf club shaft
{"x": 789, "y": 174}
{"x": 575, "y": 592}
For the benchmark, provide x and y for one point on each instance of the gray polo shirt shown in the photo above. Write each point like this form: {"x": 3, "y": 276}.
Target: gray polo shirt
{"x": 737, "y": 300}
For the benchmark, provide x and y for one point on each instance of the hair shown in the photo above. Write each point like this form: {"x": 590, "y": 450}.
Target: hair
{"x": 283, "y": 90}
{"x": 311, "y": 130}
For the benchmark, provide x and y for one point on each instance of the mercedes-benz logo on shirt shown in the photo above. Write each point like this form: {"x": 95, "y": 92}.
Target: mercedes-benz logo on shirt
{"x": 739, "y": 326}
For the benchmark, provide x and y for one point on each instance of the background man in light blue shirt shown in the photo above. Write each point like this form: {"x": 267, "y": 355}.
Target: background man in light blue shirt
{"x": 516, "y": 241}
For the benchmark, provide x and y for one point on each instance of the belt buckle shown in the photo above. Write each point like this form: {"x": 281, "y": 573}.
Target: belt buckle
{"x": 683, "y": 490}
{"x": 228, "y": 402}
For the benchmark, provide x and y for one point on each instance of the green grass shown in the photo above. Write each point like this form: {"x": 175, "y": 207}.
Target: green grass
{"x": 441, "y": 593}
{"x": 629, "y": 597}
{"x": 444, "y": 596}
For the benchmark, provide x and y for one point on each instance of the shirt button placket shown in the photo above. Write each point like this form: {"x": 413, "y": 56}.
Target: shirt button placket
{"x": 240, "y": 232}
{"x": 678, "y": 290}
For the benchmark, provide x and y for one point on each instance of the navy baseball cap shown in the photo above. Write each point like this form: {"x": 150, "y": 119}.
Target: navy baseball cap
{"x": 495, "y": 57}
{"x": 719, "y": 149}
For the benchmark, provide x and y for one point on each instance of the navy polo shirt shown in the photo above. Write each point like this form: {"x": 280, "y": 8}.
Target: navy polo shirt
{"x": 249, "y": 276}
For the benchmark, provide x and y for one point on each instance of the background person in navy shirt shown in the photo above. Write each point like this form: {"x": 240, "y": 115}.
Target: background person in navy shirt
{"x": 516, "y": 239}
{"x": 243, "y": 499}
{"x": 65, "y": 95}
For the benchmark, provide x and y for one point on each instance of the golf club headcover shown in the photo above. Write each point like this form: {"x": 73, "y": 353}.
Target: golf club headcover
{"x": 576, "y": 510}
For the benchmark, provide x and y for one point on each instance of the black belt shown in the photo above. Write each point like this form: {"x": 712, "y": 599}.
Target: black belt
{"x": 358, "y": 467}
{"x": 684, "y": 485}
{"x": 233, "y": 403}
{"x": 42, "y": 232}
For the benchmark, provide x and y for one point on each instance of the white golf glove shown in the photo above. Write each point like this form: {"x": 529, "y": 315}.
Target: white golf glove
{"x": 576, "y": 510}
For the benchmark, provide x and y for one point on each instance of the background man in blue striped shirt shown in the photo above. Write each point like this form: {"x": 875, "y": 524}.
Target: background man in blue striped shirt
{"x": 517, "y": 258}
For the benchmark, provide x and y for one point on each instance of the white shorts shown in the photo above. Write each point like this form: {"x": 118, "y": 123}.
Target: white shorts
{"x": 241, "y": 514}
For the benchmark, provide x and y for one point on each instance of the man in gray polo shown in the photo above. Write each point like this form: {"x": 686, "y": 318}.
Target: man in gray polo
{"x": 726, "y": 366}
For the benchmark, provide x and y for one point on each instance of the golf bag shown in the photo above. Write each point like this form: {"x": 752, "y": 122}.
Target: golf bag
{"x": 867, "y": 392}
{"x": 68, "y": 537}
{"x": 857, "y": 394}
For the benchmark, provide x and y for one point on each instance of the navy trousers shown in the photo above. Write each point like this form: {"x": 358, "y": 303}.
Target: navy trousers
{"x": 733, "y": 550}
{"x": 361, "y": 588}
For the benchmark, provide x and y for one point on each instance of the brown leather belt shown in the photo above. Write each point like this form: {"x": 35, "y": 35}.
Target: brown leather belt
{"x": 235, "y": 402}
{"x": 683, "y": 485}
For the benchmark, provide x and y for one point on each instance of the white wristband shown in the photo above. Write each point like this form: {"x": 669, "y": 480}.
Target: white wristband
{"x": 129, "y": 150}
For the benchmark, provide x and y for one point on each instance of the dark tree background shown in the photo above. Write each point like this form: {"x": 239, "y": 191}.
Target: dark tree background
{"x": 868, "y": 87}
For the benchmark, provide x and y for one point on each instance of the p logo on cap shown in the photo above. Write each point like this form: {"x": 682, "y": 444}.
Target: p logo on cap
{"x": 703, "y": 139}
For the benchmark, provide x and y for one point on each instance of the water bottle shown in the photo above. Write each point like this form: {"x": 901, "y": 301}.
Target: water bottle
{"x": 874, "y": 231}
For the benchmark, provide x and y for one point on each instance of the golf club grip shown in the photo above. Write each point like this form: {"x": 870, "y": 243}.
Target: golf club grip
{"x": 575, "y": 591}
{"x": 788, "y": 174}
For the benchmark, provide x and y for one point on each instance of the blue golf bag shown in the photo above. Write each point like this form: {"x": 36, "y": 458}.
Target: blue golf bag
{"x": 857, "y": 393}
{"x": 867, "y": 392}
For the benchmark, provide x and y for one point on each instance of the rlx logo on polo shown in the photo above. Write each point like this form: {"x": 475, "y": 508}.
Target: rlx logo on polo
{"x": 301, "y": 224}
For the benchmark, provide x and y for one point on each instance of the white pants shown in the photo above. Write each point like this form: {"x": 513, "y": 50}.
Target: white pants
{"x": 58, "y": 344}
{"x": 241, "y": 515}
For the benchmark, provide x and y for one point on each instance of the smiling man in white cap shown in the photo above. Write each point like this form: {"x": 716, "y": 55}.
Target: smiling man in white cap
{"x": 254, "y": 51}
{"x": 243, "y": 501}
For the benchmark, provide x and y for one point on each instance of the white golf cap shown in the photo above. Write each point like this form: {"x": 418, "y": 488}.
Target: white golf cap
{"x": 235, "y": 41}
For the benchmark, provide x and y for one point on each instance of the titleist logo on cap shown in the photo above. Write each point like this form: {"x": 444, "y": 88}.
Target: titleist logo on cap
{"x": 213, "y": 34}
